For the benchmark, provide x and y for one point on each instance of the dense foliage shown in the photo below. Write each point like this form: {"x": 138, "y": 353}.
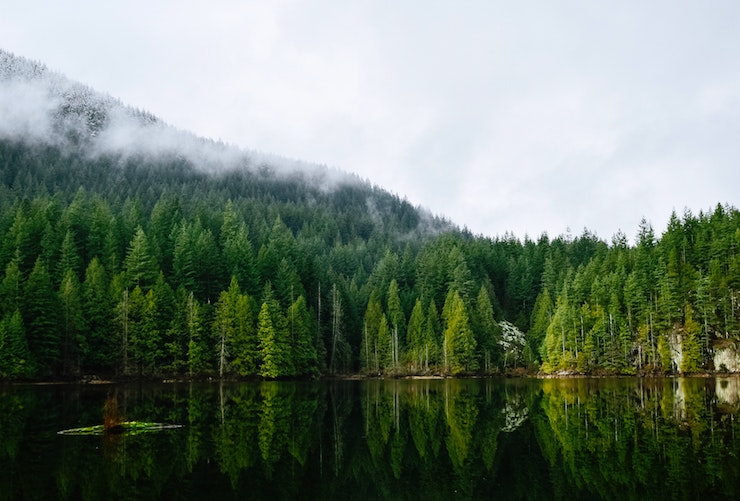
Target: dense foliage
{"x": 132, "y": 266}
{"x": 188, "y": 257}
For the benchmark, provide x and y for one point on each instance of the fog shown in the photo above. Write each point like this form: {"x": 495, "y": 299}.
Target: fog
{"x": 40, "y": 106}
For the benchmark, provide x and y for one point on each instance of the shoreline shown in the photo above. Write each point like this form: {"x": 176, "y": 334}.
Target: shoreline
{"x": 94, "y": 380}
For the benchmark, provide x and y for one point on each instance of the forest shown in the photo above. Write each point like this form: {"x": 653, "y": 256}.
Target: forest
{"x": 136, "y": 267}
{"x": 130, "y": 249}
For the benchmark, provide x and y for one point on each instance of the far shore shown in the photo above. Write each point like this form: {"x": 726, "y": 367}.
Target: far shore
{"x": 519, "y": 374}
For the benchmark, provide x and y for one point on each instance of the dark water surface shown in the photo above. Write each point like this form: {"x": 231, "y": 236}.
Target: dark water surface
{"x": 423, "y": 439}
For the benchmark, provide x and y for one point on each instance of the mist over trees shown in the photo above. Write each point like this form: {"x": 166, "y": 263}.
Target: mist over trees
{"x": 144, "y": 263}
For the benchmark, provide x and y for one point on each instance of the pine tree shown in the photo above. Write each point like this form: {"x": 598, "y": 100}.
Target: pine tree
{"x": 208, "y": 270}
{"x": 74, "y": 343}
{"x": 183, "y": 258}
{"x": 416, "y": 353}
{"x": 14, "y": 353}
{"x": 432, "y": 335}
{"x": 245, "y": 345}
{"x": 459, "y": 341}
{"x": 541, "y": 317}
{"x": 141, "y": 268}
{"x": 385, "y": 345}
{"x": 10, "y": 289}
{"x": 40, "y": 311}
{"x": 369, "y": 344}
{"x": 274, "y": 339}
{"x": 691, "y": 361}
{"x": 270, "y": 353}
{"x": 397, "y": 321}
{"x": 97, "y": 307}
{"x": 197, "y": 357}
{"x": 69, "y": 258}
{"x": 239, "y": 258}
{"x": 488, "y": 335}
{"x": 223, "y": 328}
{"x": 304, "y": 353}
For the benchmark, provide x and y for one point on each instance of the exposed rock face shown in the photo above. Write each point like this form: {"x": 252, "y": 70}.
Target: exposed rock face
{"x": 726, "y": 358}
{"x": 675, "y": 344}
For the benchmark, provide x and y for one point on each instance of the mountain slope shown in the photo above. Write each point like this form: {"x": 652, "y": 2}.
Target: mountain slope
{"x": 128, "y": 247}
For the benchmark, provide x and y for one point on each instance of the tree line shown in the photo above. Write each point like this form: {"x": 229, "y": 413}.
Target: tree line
{"x": 140, "y": 266}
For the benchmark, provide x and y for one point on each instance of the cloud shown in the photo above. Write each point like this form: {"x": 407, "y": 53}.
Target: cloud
{"x": 523, "y": 116}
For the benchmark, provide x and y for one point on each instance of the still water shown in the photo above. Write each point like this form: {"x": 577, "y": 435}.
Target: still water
{"x": 421, "y": 439}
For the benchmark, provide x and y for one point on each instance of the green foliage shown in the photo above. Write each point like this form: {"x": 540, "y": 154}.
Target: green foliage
{"x": 99, "y": 350}
{"x": 15, "y": 357}
{"x": 487, "y": 330}
{"x": 80, "y": 235}
{"x": 244, "y": 344}
{"x": 416, "y": 352}
{"x": 141, "y": 268}
{"x": 369, "y": 361}
{"x": 664, "y": 350}
{"x": 74, "y": 343}
{"x": 691, "y": 361}
{"x": 459, "y": 341}
{"x": 40, "y": 311}
{"x": 301, "y": 326}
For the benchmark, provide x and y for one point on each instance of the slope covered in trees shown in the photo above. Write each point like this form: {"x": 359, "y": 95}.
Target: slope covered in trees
{"x": 129, "y": 248}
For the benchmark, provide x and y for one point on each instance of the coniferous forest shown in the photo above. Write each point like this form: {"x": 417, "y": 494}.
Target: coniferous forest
{"x": 131, "y": 263}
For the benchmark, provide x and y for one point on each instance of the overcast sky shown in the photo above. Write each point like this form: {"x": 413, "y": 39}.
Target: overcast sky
{"x": 516, "y": 116}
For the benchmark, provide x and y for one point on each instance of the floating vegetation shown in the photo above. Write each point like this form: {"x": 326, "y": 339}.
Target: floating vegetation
{"x": 128, "y": 427}
{"x": 113, "y": 424}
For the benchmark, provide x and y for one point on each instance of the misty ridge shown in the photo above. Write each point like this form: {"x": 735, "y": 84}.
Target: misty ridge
{"x": 224, "y": 262}
{"x": 41, "y": 107}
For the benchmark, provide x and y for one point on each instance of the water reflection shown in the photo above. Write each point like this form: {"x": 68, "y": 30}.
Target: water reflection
{"x": 421, "y": 439}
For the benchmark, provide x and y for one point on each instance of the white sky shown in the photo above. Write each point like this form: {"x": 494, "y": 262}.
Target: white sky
{"x": 516, "y": 116}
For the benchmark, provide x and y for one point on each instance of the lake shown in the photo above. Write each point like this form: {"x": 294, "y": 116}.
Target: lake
{"x": 397, "y": 439}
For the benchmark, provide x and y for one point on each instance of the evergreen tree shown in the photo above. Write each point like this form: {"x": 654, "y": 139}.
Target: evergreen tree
{"x": 385, "y": 345}
{"x": 397, "y": 320}
{"x": 74, "y": 342}
{"x": 245, "y": 344}
{"x": 141, "y": 268}
{"x": 304, "y": 353}
{"x": 11, "y": 294}
{"x": 69, "y": 258}
{"x": 369, "y": 344}
{"x": 208, "y": 270}
{"x": 239, "y": 258}
{"x": 691, "y": 361}
{"x": 40, "y": 316}
{"x": 197, "y": 357}
{"x": 224, "y": 327}
{"x": 459, "y": 341}
{"x": 183, "y": 259}
{"x": 271, "y": 355}
{"x": 15, "y": 356}
{"x": 99, "y": 350}
{"x": 488, "y": 335}
{"x": 432, "y": 335}
{"x": 274, "y": 339}
{"x": 541, "y": 317}
{"x": 416, "y": 352}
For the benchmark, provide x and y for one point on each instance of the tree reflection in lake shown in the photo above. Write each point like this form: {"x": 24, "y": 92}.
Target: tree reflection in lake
{"x": 420, "y": 439}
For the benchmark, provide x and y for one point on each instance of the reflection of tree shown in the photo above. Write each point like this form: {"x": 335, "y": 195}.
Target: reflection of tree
{"x": 274, "y": 422}
{"x": 235, "y": 440}
{"x": 580, "y": 439}
{"x": 425, "y": 423}
{"x": 380, "y": 416}
{"x": 461, "y": 412}
{"x": 634, "y": 439}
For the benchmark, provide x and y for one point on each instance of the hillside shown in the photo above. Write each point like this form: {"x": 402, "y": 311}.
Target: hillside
{"x": 133, "y": 249}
